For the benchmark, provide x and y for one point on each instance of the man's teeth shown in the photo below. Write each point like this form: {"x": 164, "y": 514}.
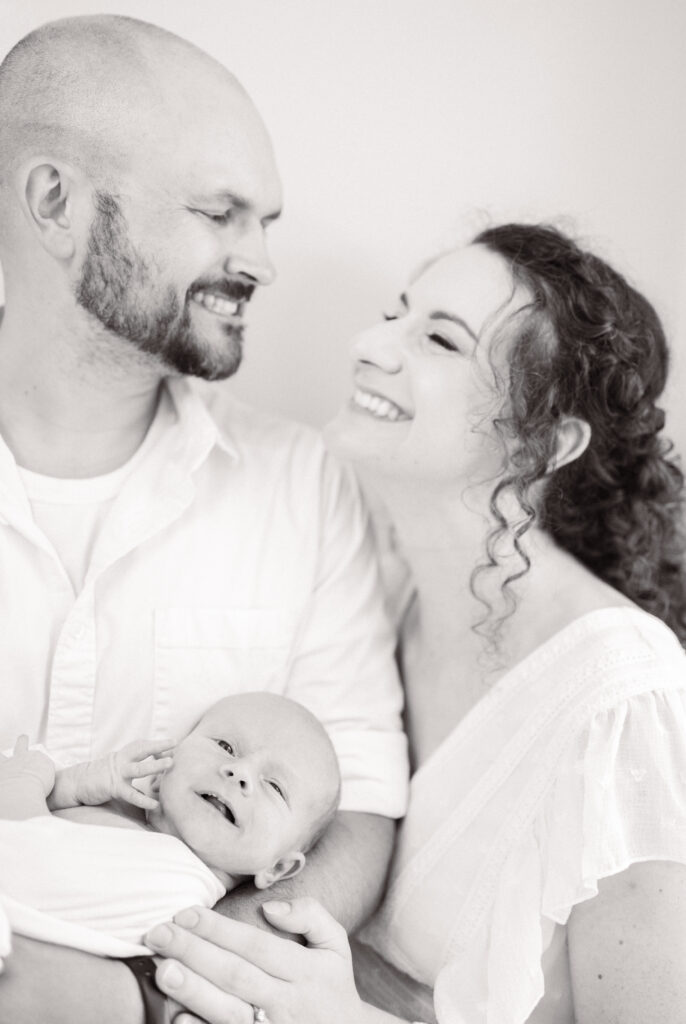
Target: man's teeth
{"x": 377, "y": 406}
{"x": 216, "y": 304}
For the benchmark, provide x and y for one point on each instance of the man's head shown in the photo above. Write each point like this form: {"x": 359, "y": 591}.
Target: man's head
{"x": 252, "y": 787}
{"x": 136, "y": 184}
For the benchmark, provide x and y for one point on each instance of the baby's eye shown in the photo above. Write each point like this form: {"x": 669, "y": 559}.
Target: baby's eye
{"x": 275, "y": 786}
{"x": 228, "y": 747}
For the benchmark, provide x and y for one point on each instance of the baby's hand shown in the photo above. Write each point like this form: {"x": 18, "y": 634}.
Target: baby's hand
{"x": 110, "y": 778}
{"x": 24, "y": 762}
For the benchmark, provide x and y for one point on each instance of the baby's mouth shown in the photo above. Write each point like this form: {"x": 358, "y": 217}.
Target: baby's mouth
{"x": 220, "y": 805}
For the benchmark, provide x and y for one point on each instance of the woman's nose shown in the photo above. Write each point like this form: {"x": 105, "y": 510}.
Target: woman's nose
{"x": 240, "y": 774}
{"x": 381, "y": 346}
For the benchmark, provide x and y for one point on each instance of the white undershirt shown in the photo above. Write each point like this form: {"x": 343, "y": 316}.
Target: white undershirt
{"x": 71, "y": 512}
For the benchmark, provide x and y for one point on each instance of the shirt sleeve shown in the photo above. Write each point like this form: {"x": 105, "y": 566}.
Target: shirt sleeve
{"x": 343, "y": 665}
{"x": 618, "y": 797}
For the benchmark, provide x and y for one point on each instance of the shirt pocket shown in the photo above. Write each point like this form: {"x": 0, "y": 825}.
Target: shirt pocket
{"x": 204, "y": 654}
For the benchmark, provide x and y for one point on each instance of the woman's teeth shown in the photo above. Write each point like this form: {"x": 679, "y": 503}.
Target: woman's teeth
{"x": 377, "y": 406}
{"x": 215, "y": 304}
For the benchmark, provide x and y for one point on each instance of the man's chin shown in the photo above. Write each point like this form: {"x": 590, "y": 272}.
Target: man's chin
{"x": 216, "y": 361}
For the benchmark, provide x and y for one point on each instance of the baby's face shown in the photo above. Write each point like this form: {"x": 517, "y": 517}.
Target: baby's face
{"x": 248, "y": 783}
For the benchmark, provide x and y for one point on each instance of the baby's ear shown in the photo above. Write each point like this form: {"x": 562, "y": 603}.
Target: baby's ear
{"x": 285, "y": 867}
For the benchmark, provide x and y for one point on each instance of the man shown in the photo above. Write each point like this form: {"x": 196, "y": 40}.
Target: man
{"x": 160, "y": 549}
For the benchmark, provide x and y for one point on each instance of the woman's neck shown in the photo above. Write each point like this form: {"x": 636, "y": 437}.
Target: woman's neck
{"x": 442, "y": 535}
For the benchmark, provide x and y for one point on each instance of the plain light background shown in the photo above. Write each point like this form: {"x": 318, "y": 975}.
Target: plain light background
{"x": 400, "y": 125}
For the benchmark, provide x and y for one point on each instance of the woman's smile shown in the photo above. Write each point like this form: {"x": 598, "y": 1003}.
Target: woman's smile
{"x": 380, "y": 407}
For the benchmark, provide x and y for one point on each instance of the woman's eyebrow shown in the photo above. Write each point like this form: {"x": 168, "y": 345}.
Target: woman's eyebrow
{"x": 442, "y": 315}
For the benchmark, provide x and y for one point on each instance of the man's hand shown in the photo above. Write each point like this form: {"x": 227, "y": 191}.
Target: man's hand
{"x": 111, "y": 777}
{"x": 24, "y": 763}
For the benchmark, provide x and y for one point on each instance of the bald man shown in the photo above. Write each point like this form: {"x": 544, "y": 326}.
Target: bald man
{"x": 162, "y": 546}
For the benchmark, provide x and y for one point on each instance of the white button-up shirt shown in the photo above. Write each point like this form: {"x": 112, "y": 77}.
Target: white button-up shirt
{"x": 236, "y": 557}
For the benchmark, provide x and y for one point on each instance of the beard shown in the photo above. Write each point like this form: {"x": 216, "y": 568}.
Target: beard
{"x": 120, "y": 289}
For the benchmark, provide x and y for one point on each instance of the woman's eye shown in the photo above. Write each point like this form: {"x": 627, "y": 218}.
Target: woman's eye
{"x": 277, "y": 787}
{"x": 228, "y": 747}
{"x": 438, "y": 339}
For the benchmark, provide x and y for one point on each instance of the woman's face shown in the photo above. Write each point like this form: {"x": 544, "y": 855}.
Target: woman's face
{"x": 424, "y": 392}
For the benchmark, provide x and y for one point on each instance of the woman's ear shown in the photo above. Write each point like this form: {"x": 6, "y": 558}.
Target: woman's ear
{"x": 572, "y": 439}
{"x": 285, "y": 867}
{"x": 48, "y": 188}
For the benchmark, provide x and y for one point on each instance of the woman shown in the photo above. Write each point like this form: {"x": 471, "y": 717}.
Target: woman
{"x": 506, "y": 413}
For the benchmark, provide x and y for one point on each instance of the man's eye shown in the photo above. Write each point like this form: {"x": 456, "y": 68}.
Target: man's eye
{"x": 219, "y": 218}
{"x": 438, "y": 339}
{"x": 277, "y": 787}
{"x": 228, "y": 747}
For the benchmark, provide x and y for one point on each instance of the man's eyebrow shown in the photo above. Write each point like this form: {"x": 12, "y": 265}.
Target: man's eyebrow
{"x": 228, "y": 198}
{"x": 440, "y": 314}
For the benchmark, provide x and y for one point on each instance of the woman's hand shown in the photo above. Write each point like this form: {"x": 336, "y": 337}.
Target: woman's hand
{"x": 222, "y": 968}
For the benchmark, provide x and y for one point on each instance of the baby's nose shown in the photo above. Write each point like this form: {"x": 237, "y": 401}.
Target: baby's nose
{"x": 240, "y": 775}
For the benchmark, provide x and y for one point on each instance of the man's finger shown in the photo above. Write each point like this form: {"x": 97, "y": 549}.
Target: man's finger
{"x": 201, "y": 997}
{"x": 307, "y": 917}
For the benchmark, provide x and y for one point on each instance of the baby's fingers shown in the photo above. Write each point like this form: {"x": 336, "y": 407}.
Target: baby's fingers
{"x": 135, "y": 797}
{"x": 22, "y": 745}
{"x": 140, "y": 749}
{"x": 151, "y": 766}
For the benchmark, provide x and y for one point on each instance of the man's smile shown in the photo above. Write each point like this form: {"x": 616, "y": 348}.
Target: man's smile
{"x": 218, "y": 304}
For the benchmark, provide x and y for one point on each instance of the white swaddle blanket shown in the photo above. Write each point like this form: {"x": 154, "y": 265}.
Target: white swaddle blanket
{"x": 94, "y": 887}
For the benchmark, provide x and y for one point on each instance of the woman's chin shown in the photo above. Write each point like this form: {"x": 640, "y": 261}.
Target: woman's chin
{"x": 355, "y": 436}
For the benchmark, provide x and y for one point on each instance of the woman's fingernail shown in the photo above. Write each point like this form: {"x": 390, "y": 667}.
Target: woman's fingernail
{"x": 161, "y": 935}
{"x": 277, "y": 907}
{"x": 171, "y": 975}
{"x": 187, "y": 918}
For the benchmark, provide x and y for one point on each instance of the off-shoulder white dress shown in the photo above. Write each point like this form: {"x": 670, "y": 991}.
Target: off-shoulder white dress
{"x": 571, "y": 768}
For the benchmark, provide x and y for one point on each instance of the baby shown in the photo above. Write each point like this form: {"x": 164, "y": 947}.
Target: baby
{"x": 244, "y": 796}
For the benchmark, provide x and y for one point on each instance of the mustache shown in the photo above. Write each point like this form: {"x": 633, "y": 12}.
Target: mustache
{"x": 236, "y": 289}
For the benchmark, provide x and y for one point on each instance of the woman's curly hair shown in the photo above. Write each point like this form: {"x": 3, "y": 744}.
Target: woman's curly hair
{"x": 588, "y": 345}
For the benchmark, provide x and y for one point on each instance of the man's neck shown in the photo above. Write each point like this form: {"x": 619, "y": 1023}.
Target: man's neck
{"x": 71, "y": 406}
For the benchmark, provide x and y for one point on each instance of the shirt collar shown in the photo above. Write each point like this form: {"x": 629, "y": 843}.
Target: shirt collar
{"x": 197, "y": 425}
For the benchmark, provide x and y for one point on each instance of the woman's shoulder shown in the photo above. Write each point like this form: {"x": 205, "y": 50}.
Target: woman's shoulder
{"x": 612, "y": 642}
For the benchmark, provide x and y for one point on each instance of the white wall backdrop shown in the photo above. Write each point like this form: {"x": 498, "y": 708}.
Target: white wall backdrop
{"x": 400, "y": 124}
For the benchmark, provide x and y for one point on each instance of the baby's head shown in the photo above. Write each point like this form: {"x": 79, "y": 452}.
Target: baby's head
{"x": 251, "y": 789}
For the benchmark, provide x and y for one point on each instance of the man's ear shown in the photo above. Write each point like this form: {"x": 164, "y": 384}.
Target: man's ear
{"x": 573, "y": 436}
{"x": 285, "y": 867}
{"x": 48, "y": 187}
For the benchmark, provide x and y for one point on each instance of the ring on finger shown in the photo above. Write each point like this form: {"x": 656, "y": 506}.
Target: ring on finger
{"x": 259, "y": 1015}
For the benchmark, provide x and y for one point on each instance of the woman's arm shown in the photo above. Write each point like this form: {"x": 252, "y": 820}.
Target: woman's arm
{"x": 627, "y": 947}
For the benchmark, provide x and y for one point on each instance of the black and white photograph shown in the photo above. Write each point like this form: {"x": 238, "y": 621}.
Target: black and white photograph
{"x": 342, "y": 512}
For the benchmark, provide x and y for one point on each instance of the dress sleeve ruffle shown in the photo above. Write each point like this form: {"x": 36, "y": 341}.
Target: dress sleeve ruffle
{"x": 618, "y": 797}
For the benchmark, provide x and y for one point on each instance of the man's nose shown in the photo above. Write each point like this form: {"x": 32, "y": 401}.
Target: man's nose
{"x": 249, "y": 256}
{"x": 381, "y": 346}
{"x": 239, "y": 773}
